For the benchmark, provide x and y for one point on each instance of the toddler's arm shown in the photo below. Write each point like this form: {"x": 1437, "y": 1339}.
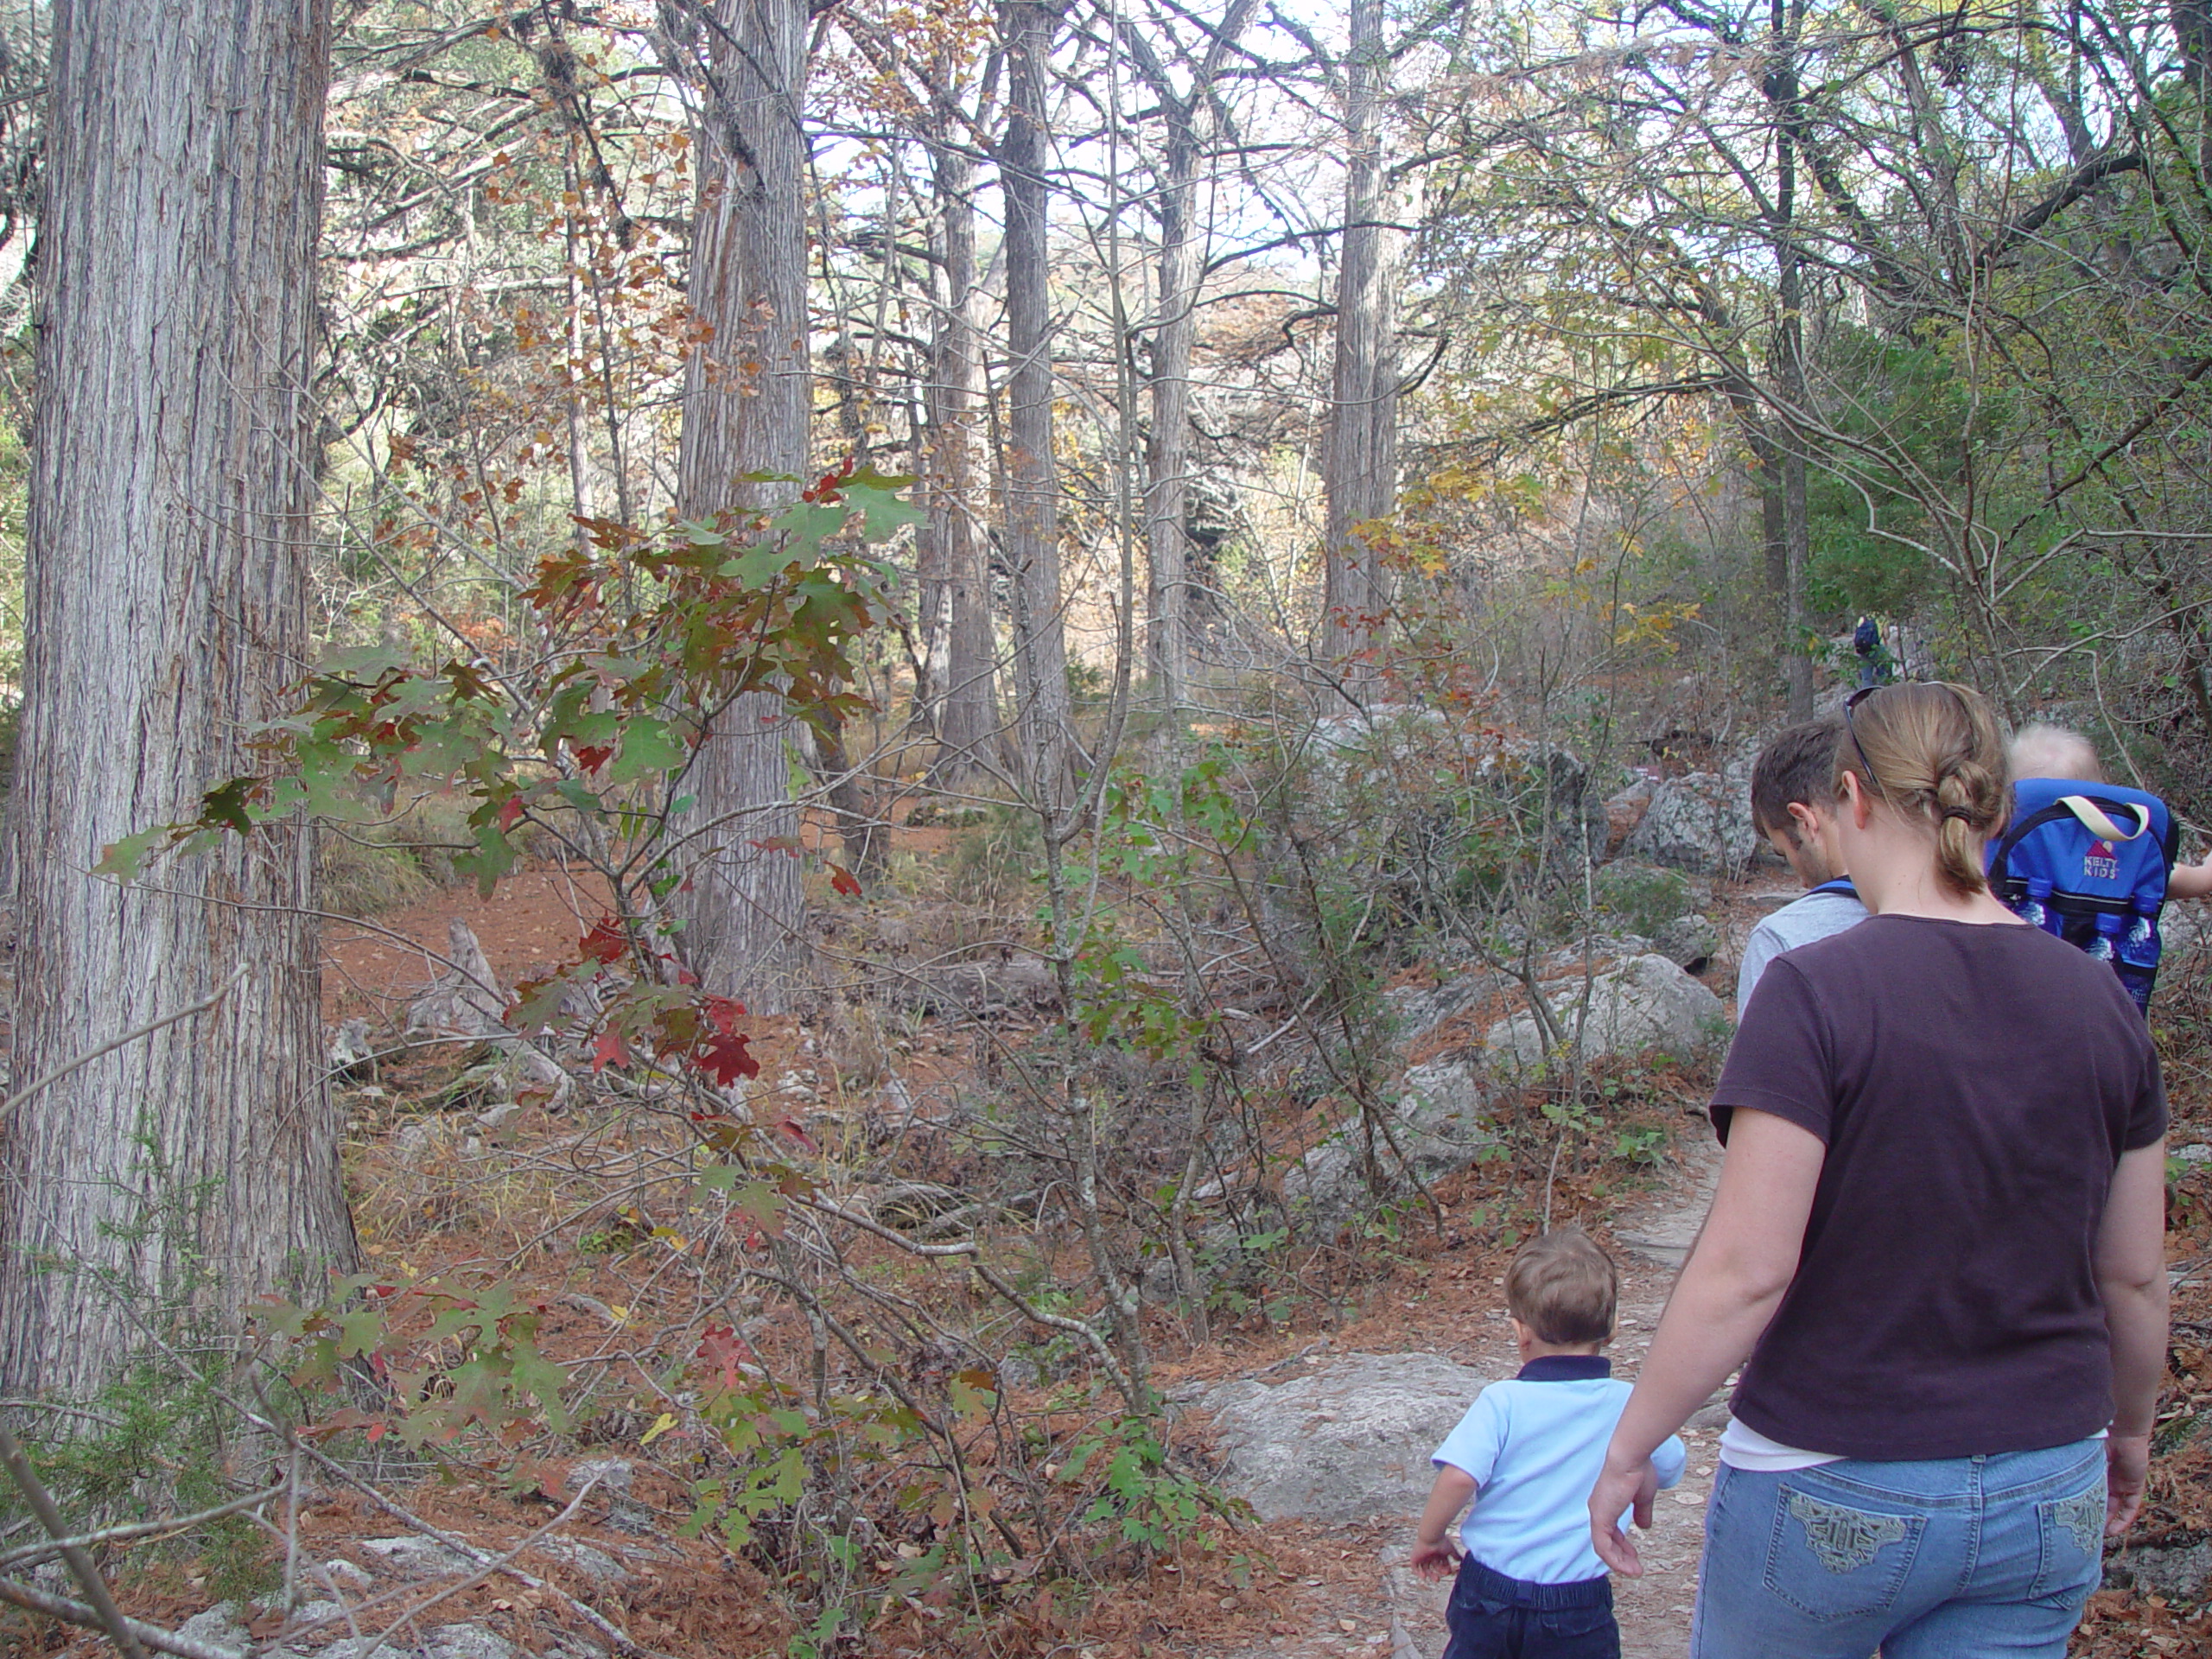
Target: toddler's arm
{"x": 2190, "y": 880}
{"x": 1670, "y": 1460}
{"x": 1433, "y": 1555}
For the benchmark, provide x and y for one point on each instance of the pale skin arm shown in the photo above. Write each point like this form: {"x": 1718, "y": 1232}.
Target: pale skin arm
{"x": 1433, "y": 1554}
{"x": 2132, "y": 1281}
{"x": 1741, "y": 1264}
{"x": 2190, "y": 880}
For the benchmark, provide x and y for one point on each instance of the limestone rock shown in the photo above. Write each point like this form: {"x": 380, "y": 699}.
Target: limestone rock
{"x": 1348, "y": 1439}
{"x": 222, "y": 1625}
{"x": 1648, "y": 1002}
{"x": 346, "y": 1576}
{"x": 588, "y": 1559}
{"x": 1437, "y": 1122}
{"x": 1575, "y": 808}
{"x": 1418, "y": 1010}
{"x": 1624, "y": 812}
{"x": 2177, "y": 1575}
{"x": 1700, "y": 822}
{"x": 469, "y": 1641}
{"x": 411, "y": 1556}
{"x": 1688, "y": 942}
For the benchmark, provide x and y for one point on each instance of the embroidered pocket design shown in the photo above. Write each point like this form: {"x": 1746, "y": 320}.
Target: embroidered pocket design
{"x": 1842, "y": 1539}
{"x": 2083, "y": 1516}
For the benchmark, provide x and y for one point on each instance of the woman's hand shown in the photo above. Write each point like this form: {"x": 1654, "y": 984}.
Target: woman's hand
{"x": 1435, "y": 1560}
{"x": 1621, "y": 1486}
{"x": 2128, "y": 1466}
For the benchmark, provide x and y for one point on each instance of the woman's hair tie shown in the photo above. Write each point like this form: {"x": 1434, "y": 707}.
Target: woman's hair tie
{"x": 1960, "y": 812}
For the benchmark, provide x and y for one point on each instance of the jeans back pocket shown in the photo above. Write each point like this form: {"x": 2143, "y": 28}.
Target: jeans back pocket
{"x": 2071, "y": 1544}
{"x": 1832, "y": 1560}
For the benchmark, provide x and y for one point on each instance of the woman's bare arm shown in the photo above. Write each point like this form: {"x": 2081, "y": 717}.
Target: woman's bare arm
{"x": 1742, "y": 1261}
{"x": 2131, "y": 1280}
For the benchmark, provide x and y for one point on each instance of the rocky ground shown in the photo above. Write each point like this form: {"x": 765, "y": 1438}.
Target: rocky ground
{"x": 1324, "y": 1423}
{"x": 1337, "y": 1446}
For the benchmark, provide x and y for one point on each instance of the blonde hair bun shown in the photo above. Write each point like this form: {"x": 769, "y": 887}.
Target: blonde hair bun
{"x": 1935, "y": 753}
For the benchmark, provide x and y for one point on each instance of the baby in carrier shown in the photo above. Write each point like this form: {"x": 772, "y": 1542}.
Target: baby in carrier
{"x": 2087, "y": 860}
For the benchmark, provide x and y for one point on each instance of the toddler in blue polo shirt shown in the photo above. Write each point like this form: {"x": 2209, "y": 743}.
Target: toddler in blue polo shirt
{"x": 1528, "y": 1453}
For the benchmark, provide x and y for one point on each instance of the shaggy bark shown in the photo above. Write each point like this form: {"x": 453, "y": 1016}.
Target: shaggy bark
{"x": 1361, "y": 465}
{"x": 171, "y": 485}
{"x": 967, "y": 717}
{"x": 1191, "y": 124}
{"x": 747, "y": 396}
{"x": 1032, "y": 521}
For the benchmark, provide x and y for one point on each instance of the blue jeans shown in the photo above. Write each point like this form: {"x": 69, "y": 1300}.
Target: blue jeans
{"x": 1492, "y": 1617}
{"x": 1954, "y": 1558}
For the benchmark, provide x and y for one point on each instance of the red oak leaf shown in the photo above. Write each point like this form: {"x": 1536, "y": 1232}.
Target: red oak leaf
{"x": 510, "y": 810}
{"x": 725, "y": 1348}
{"x": 607, "y": 1050}
{"x": 725, "y": 1056}
{"x": 606, "y": 942}
{"x": 843, "y": 880}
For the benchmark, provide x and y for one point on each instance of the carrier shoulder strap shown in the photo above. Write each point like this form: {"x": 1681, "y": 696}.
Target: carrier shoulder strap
{"x": 2093, "y": 820}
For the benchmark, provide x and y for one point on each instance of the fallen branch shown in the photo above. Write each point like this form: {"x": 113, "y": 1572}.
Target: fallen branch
{"x": 47, "y": 1549}
{"x": 460, "y": 1546}
{"x": 103, "y": 1606}
{"x": 75, "y": 1612}
{"x": 482, "y": 1572}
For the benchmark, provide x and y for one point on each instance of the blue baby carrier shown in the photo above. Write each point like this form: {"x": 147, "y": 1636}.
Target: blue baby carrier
{"x": 2088, "y": 862}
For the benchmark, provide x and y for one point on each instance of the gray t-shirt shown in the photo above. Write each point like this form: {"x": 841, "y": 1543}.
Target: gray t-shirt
{"x": 1816, "y": 916}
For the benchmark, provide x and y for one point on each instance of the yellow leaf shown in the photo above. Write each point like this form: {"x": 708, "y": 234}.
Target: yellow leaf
{"x": 621, "y": 1315}
{"x": 662, "y": 1424}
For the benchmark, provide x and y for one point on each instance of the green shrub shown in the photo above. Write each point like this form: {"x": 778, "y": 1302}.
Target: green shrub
{"x": 1639, "y": 897}
{"x": 993, "y": 860}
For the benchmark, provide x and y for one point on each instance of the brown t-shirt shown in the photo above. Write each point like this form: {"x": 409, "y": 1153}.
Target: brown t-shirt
{"x": 1975, "y": 1086}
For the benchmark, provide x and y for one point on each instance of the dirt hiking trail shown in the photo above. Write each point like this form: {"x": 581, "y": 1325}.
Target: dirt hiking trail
{"x": 1372, "y": 1602}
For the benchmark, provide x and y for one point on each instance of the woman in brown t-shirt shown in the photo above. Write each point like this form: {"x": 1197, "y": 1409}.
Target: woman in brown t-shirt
{"x": 1936, "y": 1251}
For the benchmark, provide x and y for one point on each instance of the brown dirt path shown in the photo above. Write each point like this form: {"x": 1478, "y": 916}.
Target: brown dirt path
{"x": 1386, "y": 1611}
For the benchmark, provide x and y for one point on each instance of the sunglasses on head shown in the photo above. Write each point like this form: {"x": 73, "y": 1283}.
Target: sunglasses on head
{"x": 1850, "y": 703}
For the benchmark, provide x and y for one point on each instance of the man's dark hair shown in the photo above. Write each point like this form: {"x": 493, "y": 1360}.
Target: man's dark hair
{"x": 1799, "y": 765}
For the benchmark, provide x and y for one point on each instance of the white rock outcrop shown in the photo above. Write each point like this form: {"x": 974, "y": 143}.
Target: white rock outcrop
{"x": 1700, "y": 822}
{"x": 1645, "y": 1004}
{"x": 1346, "y": 1439}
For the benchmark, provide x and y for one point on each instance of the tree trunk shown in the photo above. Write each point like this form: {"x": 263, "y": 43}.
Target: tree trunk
{"x": 195, "y": 1169}
{"x": 1167, "y": 510}
{"x": 748, "y": 394}
{"x": 1790, "y": 343}
{"x": 1360, "y": 467}
{"x": 967, "y": 717}
{"x": 1032, "y": 520}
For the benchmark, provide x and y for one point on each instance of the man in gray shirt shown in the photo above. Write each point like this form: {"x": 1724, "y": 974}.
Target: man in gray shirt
{"x": 1793, "y": 805}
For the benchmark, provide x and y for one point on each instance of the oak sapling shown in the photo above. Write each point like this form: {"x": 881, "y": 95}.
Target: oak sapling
{"x": 645, "y": 640}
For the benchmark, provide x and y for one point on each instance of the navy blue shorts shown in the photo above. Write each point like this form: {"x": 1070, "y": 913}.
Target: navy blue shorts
{"x": 1493, "y": 1617}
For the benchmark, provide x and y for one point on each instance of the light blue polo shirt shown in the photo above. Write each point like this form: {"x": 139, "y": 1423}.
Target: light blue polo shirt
{"x": 1536, "y": 1446}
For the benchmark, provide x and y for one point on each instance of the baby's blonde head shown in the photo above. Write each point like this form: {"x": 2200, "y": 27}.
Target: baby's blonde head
{"x": 2042, "y": 750}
